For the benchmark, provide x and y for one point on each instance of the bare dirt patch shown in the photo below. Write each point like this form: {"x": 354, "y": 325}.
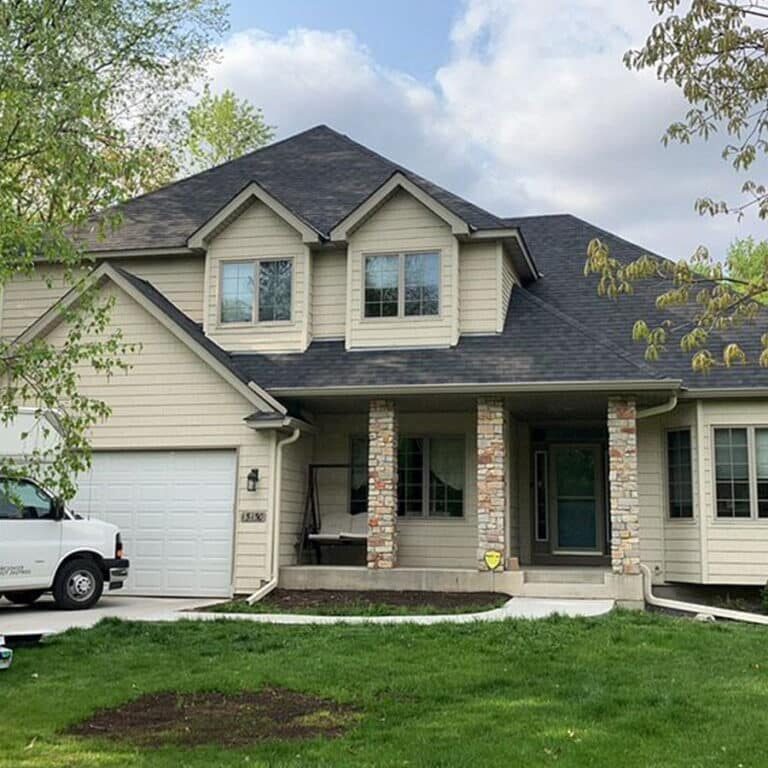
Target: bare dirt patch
{"x": 227, "y": 720}
{"x": 365, "y": 603}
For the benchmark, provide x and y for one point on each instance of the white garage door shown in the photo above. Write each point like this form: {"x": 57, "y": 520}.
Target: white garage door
{"x": 175, "y": 512}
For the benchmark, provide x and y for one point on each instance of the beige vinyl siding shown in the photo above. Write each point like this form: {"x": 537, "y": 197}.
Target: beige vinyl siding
{"x": 671, "y": 548}
{"x": 508, "y": 281}
{"x": 180, "y": 279}
{"x": 403, "y": 224}
{"x": 171, "y": 399}
{"x": 479, "y": 287}
{"x": 296, "y": 458}
{"x": 423, "y": 543}
{"x": 256, "y": 233}
{"x": 736, "y": 551}
{"x": 329, "y": 294}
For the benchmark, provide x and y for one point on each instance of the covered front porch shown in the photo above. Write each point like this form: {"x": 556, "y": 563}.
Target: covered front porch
{"x": 532, "y": 494}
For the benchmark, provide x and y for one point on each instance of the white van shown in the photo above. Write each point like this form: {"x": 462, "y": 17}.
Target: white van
{"x": 44, "y": 546}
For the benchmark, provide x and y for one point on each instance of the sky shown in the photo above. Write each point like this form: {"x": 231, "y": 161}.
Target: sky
{"x": 521, "y": 106}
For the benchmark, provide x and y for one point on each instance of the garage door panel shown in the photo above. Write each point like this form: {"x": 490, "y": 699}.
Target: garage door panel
{"x": 175, "y": 513}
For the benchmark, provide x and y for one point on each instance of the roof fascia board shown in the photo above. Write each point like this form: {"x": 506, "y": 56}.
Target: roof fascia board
{"x": 199, "y": 239}
{"x": 395, "y": 182}
{"x": 647, "y": 385}
{"x": 54, "y": 316}
{"x": 132, "y": 252}
{"x": 709, "y": 393}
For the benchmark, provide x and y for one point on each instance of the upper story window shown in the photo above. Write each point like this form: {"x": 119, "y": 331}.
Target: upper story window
{"x": 741, "y": 472}
{"x": 256, "y": 289}
{"x": 679, "y": 473}
{"x": 402, "y": 285}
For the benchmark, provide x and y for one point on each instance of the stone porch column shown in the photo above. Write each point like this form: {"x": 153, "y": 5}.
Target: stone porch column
{"x": 382, "y": 484}
{"x": 491, "y": 480}
{"x": 624, "y": 503}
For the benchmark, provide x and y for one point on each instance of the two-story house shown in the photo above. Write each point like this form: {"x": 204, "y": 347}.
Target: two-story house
{"x": 351, "y": 377}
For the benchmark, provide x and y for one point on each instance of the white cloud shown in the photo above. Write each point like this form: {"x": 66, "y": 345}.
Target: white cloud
{"x": 533, "y": 112}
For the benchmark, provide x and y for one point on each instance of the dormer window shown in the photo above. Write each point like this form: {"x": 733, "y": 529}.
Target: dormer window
{"x": 402, "y": 284}
{"x": 256, "y": 289}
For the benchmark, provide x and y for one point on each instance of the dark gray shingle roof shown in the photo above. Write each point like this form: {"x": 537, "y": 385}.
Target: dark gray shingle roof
{"x": 320, "y": 175}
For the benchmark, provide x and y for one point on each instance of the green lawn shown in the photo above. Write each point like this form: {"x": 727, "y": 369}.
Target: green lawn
{"x": 627, "y": 690}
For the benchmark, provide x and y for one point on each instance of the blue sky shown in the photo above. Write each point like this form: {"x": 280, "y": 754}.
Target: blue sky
{"x": 412, "y": 35}
{"x": 492, "y": 100}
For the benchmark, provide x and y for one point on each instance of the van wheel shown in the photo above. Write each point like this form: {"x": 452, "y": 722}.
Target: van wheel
{"x": 78, "y": 585}
{"x": 27, "y": 597}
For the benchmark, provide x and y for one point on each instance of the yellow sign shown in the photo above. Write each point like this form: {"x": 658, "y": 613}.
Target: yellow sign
{"x": 492, "y": 559}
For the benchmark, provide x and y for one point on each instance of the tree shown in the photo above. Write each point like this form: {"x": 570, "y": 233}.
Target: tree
{"x": 747, "y": 260}
{"x": 220, "y": 128}
{"x": 87, "y": 92}
{"x": 716, "y": 52}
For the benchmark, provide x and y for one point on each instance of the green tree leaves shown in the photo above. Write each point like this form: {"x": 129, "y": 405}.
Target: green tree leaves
{"x": 220, "y": 127}
{"x": 88, "y": 92}
{"x": 716, "y": 53}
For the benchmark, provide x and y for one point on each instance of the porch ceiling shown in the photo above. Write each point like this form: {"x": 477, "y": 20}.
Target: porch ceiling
{"x": 523, "y": 406}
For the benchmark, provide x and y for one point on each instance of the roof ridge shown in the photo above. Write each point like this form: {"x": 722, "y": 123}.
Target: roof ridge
{"x": 177, "y": 182}
{"x": 599, "y": 338}
{"x": 416, "y": 178}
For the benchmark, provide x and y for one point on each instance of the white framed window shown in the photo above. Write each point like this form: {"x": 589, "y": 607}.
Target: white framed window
{"x": 255, "y": 290}
{"x": 741, "y": 472}
{"x": 401, "y": 284}
{"x": 679, "y": 474}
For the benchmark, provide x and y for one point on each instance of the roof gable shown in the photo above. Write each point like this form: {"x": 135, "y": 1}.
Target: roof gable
{"x": 319, "y": 175}
{"x": 169, "y": 316}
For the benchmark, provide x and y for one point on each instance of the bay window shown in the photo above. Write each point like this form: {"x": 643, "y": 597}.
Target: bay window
{"x": 679, "y": 474}
{"x": 741, "y": 472}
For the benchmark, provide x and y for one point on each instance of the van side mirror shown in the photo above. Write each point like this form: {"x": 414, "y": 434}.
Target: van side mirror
{"x": 57, "y": 507}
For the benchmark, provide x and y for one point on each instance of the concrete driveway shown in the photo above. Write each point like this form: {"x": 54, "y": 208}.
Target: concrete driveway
{"x": 44, "y": 618}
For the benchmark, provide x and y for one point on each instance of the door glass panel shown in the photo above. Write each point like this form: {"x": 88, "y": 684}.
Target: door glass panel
{"x": 576, "y": 498}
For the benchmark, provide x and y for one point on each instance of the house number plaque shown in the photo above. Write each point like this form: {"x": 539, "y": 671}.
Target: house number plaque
{"x": 253, "y": 517}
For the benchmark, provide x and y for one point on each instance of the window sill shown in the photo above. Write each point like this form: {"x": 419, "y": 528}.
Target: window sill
{"x": 402, "y": 319}
{"x": 255, "y": 326}
{"x": 426, "y": 519}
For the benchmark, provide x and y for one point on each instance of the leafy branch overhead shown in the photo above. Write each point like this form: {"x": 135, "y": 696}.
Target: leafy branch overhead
{"x": 88, "y": 93}
{"x": 716, "y": 53}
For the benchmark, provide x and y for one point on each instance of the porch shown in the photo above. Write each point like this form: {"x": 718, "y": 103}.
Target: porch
{"x": 532, "y": 495}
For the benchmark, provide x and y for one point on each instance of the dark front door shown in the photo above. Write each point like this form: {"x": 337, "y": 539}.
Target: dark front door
{"x": 568, "y": 504}
{"x": 576, "y": 499}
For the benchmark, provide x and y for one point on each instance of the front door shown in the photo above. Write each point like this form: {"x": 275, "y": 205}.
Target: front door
{"x": 576, "y": 500}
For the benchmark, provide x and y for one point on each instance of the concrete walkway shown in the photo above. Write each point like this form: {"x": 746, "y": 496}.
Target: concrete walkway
{"x": 43, "y": 618}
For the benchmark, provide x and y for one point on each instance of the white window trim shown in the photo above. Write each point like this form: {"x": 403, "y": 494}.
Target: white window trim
{"x": 255, "y": 309}
{"x": 400, "y": 316}
{"x": 544, "y": 495}
{"x": 751, "y": 473}
{"x": 694, "y": 473}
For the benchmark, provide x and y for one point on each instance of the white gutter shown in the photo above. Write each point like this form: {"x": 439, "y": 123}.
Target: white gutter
{"x": 704, "y": 610}
{"x": 274, "y": 547}
{"x": 657, "y": 410}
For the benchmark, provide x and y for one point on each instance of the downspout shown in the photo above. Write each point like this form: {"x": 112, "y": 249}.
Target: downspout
{"x": 657, "y": 410}
{"x": 704, "y": 610}
{"x": 274, "y": 545}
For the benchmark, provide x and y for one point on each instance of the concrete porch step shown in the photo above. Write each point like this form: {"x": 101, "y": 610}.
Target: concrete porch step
{"x": 582, "y": 583}
{"x": 564, "y": 576}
